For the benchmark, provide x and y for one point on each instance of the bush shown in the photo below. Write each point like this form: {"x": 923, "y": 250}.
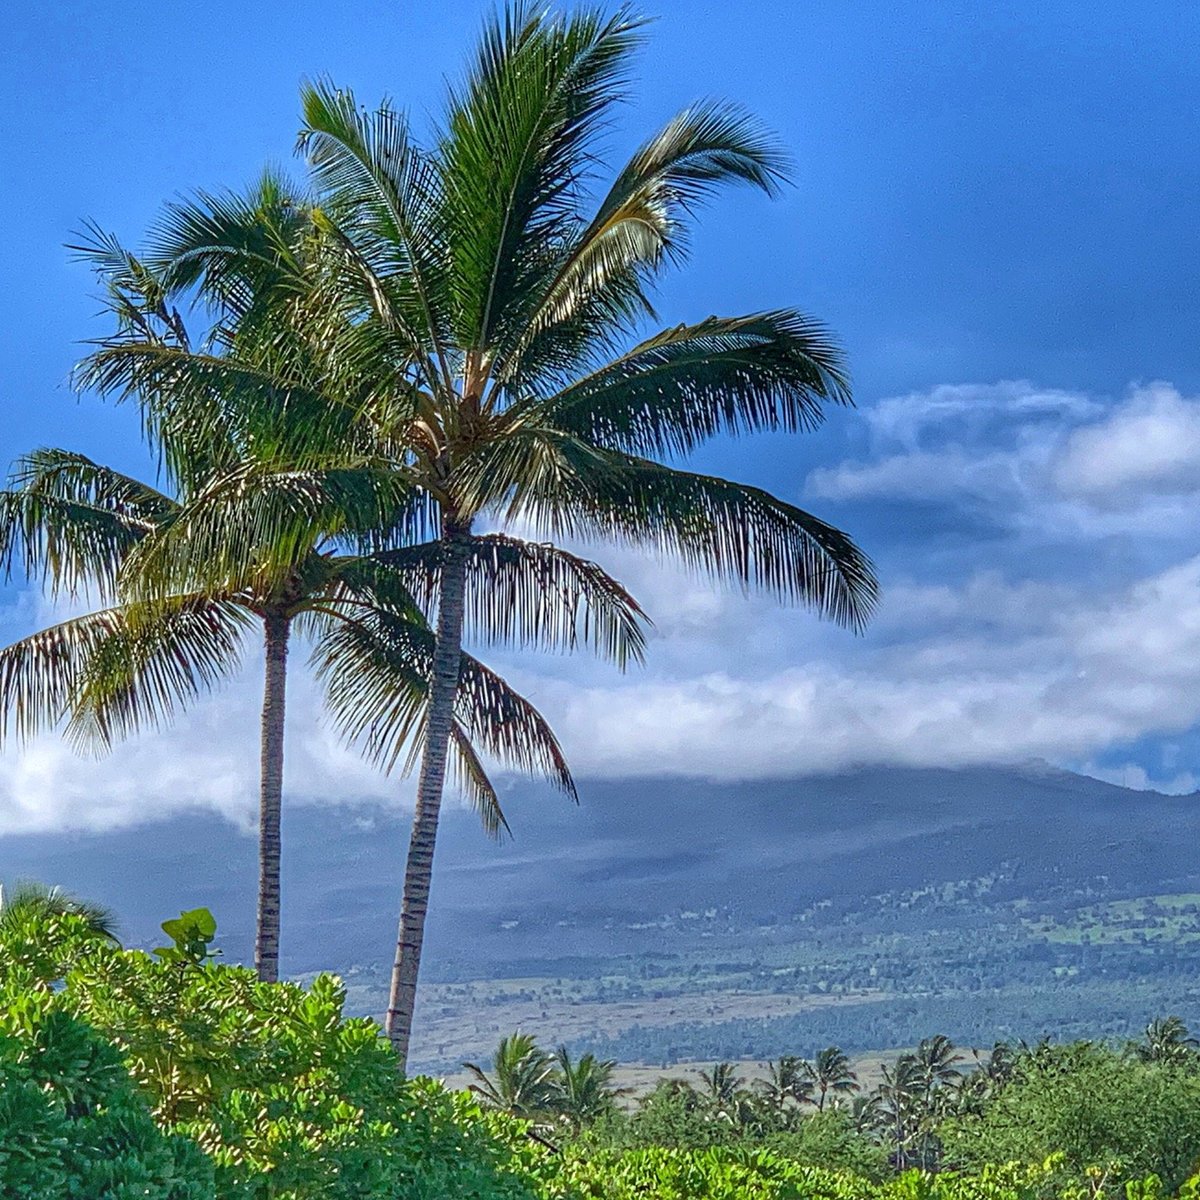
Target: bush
{"x": 285, "y": 1095}
{"x": 72, "y": 1123}
{"x": 829, "y": 1139}
{"x": 1092, "y": 1108}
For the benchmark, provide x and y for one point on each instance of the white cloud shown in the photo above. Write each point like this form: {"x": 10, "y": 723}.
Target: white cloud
{"x": 1149, "y": 444}
{"x": 1009, "y": 651}
{"x": 1058, "y": 683}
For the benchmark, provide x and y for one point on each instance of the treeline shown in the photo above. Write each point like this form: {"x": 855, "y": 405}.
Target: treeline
{"x": 1092, "y": 1109}
{"x": 1066, "y": 1011}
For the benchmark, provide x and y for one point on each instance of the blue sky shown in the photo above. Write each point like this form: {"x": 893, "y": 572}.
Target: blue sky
{"x": 995, "y": 209}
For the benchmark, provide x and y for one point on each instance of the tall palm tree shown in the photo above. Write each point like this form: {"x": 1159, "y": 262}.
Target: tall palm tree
{"x": 830, "y": 1071}
{"x": 522, "y": 1080}
{"x": 507, "y": 297}
{"x": 496, "y": 314}
{"x": 25, "y": 897}
{"x": 295, "y": 534}
{"x": 584, "y": 1087}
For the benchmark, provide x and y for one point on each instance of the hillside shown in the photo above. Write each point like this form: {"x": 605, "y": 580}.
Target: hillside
{"x": 666, "y": 918}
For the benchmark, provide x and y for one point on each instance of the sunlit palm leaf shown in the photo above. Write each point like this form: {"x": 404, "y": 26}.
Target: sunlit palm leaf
{"x": 773, "y": 371}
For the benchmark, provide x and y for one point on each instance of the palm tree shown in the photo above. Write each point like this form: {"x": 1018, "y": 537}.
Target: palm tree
{"x": 723, "y": 1091}
{"x": 897, "y": 1108}
{"x": 584, "y": 1088}
{"x": 522, "y": 1081}
{"x": 785, "y": 1081}
{"x": 488, "y": 303}
{"x": 504, "y": 297}
{"x": 829, "y": 1071}
{"x": 25, "y": 898}
{"x": 1167, "y": 1041}
{"x": 934, "y": 1077}
{"x": 293, "y": 524}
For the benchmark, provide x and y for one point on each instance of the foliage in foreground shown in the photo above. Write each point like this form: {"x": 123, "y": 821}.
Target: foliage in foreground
{"x": 173, "y": 1077}
{"x": 230, "y": 1088}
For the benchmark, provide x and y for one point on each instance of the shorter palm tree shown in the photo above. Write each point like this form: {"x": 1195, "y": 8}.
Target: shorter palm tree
{"x": 1167, "y": 1041}
{"x": 522, "y": 1082}
{"x": 585, "y": 1090}
{"x": 26, "y": 898}
{"x": 829, "y": 1072}
{"x": 785, "y": 1081}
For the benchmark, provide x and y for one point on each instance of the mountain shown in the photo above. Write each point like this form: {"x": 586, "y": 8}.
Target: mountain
{"x": 816, "y": 882}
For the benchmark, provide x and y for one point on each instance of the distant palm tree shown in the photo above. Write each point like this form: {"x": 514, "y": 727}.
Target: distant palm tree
{"x": 584, "y": 1088}
{"x": 722, "y": 1092}
{"x": 936, "y": 1063}
{"x": 785, "y": 1081}
{"x": 897, "y": 1109}
{"x": 1167, "y": 1041}
{"x": 830, "y": 1071}
{"x": 935, "y": 1077}
{"x": 26, "y": 898}
{"x": 522, "y": 1080}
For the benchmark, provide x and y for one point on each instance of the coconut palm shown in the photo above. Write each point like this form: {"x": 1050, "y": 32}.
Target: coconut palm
{"x": 897, "y": 1111}
{"x": 1167, "y": 1041}
{"x": 522, "y": 1080}
{"x": 584, "y": 1088}
{"x": 785, "y": 1081}
{"x": 506, "y": 298}
{"x": 495, "y": 326}
{"x": 724, "y": 1094}
{"x": 829, "y": 1072}
{"x": 935, "y": 1064}
{"x": 25, "y": 897}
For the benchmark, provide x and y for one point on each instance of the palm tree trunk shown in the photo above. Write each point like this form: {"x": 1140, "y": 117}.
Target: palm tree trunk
{"x": 266, "y": 942}
{"x": 418, "y": 871}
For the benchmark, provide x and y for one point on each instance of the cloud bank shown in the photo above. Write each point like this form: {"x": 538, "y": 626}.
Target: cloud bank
{"x": 1060, "y": 621}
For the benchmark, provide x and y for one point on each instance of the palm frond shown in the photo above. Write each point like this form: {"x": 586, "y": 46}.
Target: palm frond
{"x": 106, "y": 677}
{"x": 600, "y": 282}
{"x": 72, "y": 523}
{"x": 718, "y": 528}
{"x": 531, "y": 594}
{"x": 252, "y": 527}
{"x": 770, "y": 371}
{"x": 517, "y": 143}
{"x": 379, "y": 195}
{"x": 375, "y": 669}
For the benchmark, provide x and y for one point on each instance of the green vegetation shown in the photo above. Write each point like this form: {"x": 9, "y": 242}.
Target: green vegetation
{"x": 174, "y": 1076}
{"x": 419, "y": 343}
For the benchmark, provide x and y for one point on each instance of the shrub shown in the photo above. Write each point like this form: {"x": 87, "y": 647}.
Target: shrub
{"x": 1092, "y": 1108}
{"x": 72, "y": 1123}
{"x": 285, "y": 1095}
